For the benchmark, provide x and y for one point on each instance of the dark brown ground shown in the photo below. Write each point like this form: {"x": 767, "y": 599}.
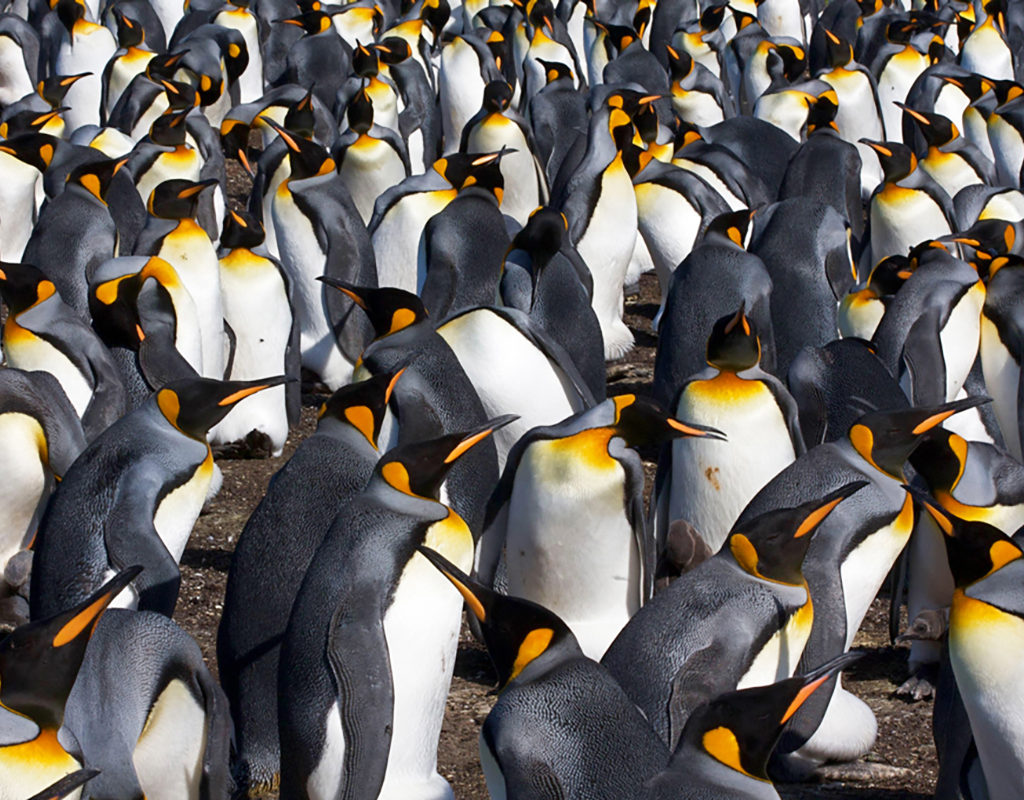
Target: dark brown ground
{"x": 904, "y": 743}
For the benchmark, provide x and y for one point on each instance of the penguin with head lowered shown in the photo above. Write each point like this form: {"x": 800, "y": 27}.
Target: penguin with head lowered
{"x": 582, "y": 478}
{"x": 133, "y": 496}
{"x": 370, "y": 646}
{"x": 39, "y": 663}
{"x": 739, "y": 619}
{"x": 327, "y": 470}
{"x": 562, "y": 725}
{"x": 43, "y": 333}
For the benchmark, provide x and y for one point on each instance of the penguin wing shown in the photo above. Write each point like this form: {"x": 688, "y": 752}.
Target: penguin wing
{"x": 131, "y": 538}
{"x": 787, "y": 404}
{"x": 357, "y": 651}
{"x": 39, "y": 395}
{"x": 634, "y": 502}
{"x": 922, "y": 357}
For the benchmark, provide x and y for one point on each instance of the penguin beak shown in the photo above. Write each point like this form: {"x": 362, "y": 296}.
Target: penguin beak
{"x": 692, "y": 429}
{"x": 84, "y": 617}
{"x": 197, "y": 188}
{"x": 289, "y": 140}
{"x": 468, "y": 588}
{"x": 816, "y": 517}
{"x": 350, "y": 290}
{"x": 878, "y": 147}
{"x": 936, "y": 512}
{"x": 66, "y": 785}
{"x": 946, "y": 411}
{"x": 815, "y": 679}
{"x": 239, "y": 390}
{"x": 471, "y": 438}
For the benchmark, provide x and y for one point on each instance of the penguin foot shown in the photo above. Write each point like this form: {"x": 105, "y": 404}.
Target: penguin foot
{"x": 921, "y": 684}
{"x": 18, "y": 570}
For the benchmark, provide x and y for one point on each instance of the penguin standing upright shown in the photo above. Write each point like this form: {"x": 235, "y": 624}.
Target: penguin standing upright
{"x": 42, "y": 333}
{"x": 39, "y": 663}
{"x": 1001, "y": 347}
{"x": 129, "y": 60}
{"x": 319, "y": 232}
{"x": 708, "y": 485}
{"x": 172, "y": 234}
{"x": 951, "y": 160}
{"x": 256, "y": 298}
{"x": 144, "y": 481}
{"x": 560, "y": 720}
{"x": 327, "y": 470}
{"x": 376, "y": 640}
{"x": 582, "y": 478}
{"x": 86, "y": 47}
{"x": 23, "y": 160}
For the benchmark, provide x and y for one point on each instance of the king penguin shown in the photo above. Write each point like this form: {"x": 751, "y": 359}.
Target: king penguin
{"x": 376, "y": 639}
{"x": 143, "y": 483}
{"x": 583, "y": 478}
{"x": 561, "y": 723}
{"x": 327, "y": 470}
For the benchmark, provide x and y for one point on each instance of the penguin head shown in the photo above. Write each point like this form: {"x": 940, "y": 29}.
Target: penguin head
{"x": 39, "y": 661}
{"x": 363, "y": 405}
{"x": 974, "y": 549}
{"x": 365, "y": 61}
{"x": 162, "y": 67}
{"x": 392, "y": 50}
{"x": 940, "y": 459}
{"x": 194, "y": 405}
{"x": 555, "y": 71}
{"x": 241, "y": 229}
{"x": 307, "y": 158}
{"x": 23, "y": 286}
{"x": 130, "y": 32}
{"x": 734, "y": 344}
{"x": 936, "y": 129}
{"x": 838, "y": 51}
{"x": 988, "y": 238}
{"x": 786, "y": 62}
{"x": 497, "y": 97}
{"x": 740, "y": 729}
{"x": 435, "y": 15}
{"x": 95, "y": 177}
{"x": 70, "y": 13}
{"x": 35, "y": 149}
{"x": 897, "y": 160}
{"x": 516, "y": 631}
{"x": 712, "y": 17}
{"x": 643, "y": 422}
{"x": 1006, "y": 91}
{"x": 180, "y": 95}
{"x": 732, "y": 228}
{"x": 390, "y": 310}
{"x": 485, "y": 173}
{"x": 55, "y": 87}
{"x": 359, "y": 112}
{"x": 177, "y": 198}
{"x": 773, "y": 545}
{"x": 300, "y": 117}
{"x": 169, "y": 128}
{"x": 456, "y": 168}
{"x": 885, "y": 439}
{"x": 686, "y": 134}
{"x": 419, "y": 468}
{"x": 889, "y": 274}
{"x": 821, "y": 113}
{"x": 542, "y": 236}
{"x": 680, "y": 63}
{"x": 29, "y": 121}
{"x": 312, "y": 22}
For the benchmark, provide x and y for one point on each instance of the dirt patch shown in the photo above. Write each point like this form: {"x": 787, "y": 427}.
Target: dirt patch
{"x": 904, "y": 749}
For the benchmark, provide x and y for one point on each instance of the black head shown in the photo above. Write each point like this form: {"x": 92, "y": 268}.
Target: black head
{"x": 516, "y": 631}
{"x": 390, "y": 310}
{"x": 363, "y": 405}
{"x": 308, "y": 159}
{"x": 734, "y": 345}
{"x": 300, "y": 118}
{"x": 555, "y": 70}
{"x": 740, "y": 729}
{"x": 885, "y": 439}
{"x": 897, "y": 160}
{"x": 36, "y": 149}
{"x": 974, "y": 549}
{"x": 96, "y": 177}
{"x": 360, "y": 112}
{"x": 130, "y": 32}
{"x": 241, "y": 229}
{"x": 712, "y": 17}
{"x": 194, "y": 405}
{"x": 940, "y": 459}
{"x": 162, "y": 67}
{"x": 180, "y": 95}
{"x": 169, "y": 128}
{"x": 497, "y": 96}
{"x": 773, "y": 545}
{"x": 23, "y": 286}
{"x": 889, "y": 274}
{"x": 393, "y": 50}
{"x": 936, "y": 129}
{"x": 485, "y": 173}
{"x": 990, "y": 237}
{"x": 838, "y": 51}
{"x": 456, "y": 168}
{"x": 70, "y": 12}
{"x": 28, "y": 121}
{"x": 680, "y": 63}
{"x": 643, "y": 422}
{"x": 734, "y": 226}
{"x": 312, "y": 22}
{"x": 177, "y": 198}
{"x": 365, "y": 61}
{"x": 419, "y": 468}
{"x": 40, "y": 661}
{"x": 234, "y": 140}
{"x": 53, "y": 88}
{"x": 821, "y": 113}
{"x": 542, "y": 236}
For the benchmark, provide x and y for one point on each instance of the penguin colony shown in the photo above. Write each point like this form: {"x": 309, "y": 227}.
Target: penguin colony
{"x": 448, "y": 204}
